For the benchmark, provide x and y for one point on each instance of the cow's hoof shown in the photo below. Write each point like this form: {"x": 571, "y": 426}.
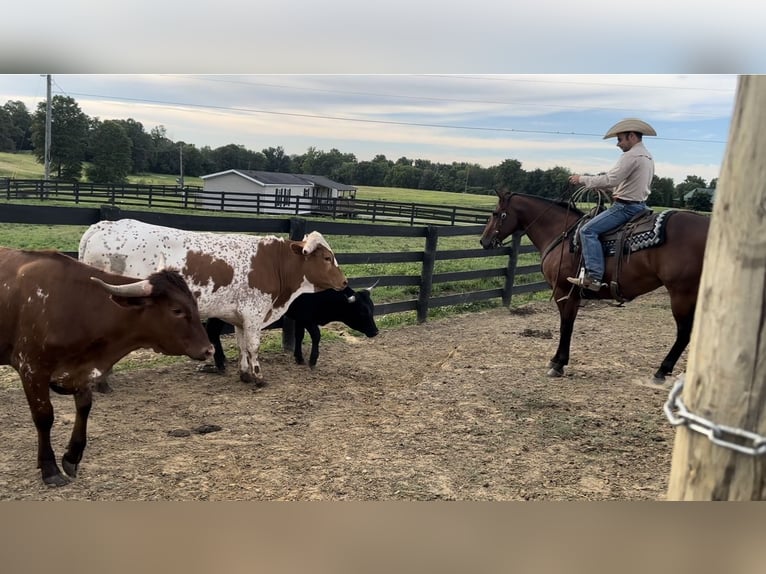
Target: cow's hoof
{"x": 209, "y": 368}
{"x": 56, "y": 480}
{"x": 103, "y": 387}
{"x": 246, "y": 377}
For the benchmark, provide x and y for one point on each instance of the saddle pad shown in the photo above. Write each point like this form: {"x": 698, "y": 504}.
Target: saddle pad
{"x": 649, "y": 234}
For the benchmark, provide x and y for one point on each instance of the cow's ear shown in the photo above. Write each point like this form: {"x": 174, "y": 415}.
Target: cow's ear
{"x": 297, "y": 247}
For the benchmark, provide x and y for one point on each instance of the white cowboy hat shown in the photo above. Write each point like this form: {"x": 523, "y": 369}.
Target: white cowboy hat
{"x": 630, "y": 125}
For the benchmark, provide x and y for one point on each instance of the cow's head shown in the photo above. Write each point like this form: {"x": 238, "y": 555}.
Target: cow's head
{"x": 167, "y": 317}
{"x": 320, "y": 266}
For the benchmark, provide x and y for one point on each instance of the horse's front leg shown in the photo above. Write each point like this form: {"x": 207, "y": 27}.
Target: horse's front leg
{"x": 568, "y": 308}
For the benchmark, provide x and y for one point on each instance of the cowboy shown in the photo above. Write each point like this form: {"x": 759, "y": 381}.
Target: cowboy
{"x": 629, "y": 179}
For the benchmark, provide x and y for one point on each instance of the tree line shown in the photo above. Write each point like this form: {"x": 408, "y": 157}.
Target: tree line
{"x": 115, "y": 149}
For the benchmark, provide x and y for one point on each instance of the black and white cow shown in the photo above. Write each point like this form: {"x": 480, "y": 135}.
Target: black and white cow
{"x": 309, "y": 311}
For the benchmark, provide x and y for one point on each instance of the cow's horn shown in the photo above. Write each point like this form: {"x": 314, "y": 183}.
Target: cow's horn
{"x": 373, "y": 285}
{"x": 141, "y": 288}
{"x": 351, "y": 299}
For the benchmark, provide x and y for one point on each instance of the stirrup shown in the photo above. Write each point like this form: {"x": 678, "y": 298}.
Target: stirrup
{"x": 585, "y": 282}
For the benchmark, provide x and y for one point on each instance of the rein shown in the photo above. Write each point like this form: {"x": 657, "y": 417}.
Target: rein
{"x": 559, "y": 238}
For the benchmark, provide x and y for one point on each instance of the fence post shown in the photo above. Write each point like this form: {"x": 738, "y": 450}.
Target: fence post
{"x": 427, "y": 272}
{"x": 297, "y": 231}
{"x": 510, "y": 272}
{"x": 110, "y": 213}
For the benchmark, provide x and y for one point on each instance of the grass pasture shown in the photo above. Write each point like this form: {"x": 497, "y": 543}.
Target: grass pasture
{"x": 66, "y": 238}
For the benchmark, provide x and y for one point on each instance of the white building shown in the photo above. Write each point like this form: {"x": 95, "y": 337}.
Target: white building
{"x": 269, "y": 192}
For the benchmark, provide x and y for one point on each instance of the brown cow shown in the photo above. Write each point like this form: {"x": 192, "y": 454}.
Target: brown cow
{"x": 64, "y": 323}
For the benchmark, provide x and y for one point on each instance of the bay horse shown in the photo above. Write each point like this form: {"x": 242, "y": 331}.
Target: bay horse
{"x": 550, "y": 224}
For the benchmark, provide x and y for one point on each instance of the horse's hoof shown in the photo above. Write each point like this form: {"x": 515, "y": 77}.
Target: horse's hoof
{"x": 56, "y": 480}
{"x": 555, "y": 372}
{"x": 70, "y": 468}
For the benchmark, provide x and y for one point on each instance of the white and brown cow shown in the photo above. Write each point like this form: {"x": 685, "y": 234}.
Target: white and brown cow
{"x": 64, "y": 323}
{"x": 246, "y": 280}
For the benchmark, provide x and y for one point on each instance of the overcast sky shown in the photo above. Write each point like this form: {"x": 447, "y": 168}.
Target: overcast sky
{"x": 542, "y": 121}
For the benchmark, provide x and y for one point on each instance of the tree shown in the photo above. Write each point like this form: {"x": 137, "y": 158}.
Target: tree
{"x": 725, "y": 381}
{"x": 700, "y": 201}
{"x": 69, "y": 137}
{"x": 403, "y": 175}
{"x": 277, "y": 160}
{"x": 21, "y": 125}
{"x": 6, "y": 132}
{"x": 510, "y": 175}
{"x": 112, "y": 154}
{"x": 165, "y": 157}
{"x": 142, "y": 145}
{"x": 661, "y": 191}
{"x": 232, "y": 156}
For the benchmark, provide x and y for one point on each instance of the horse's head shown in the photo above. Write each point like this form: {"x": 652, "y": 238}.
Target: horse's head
{"x": 502, "y": 223}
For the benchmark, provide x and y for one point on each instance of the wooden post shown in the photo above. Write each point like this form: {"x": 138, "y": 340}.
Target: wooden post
{"x": 725, "y": 380}
{"x": 510, "y": 271}
{"x": 427, "y": 273}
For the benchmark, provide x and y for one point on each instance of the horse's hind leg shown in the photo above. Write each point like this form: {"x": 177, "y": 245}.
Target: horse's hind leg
{"x": 684, "y": 322}
{"x": 568, "y": 309}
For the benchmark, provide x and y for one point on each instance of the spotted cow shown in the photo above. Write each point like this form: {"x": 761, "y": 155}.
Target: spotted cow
{"x": 246, "y": 280}
{"x": 63, "y": 324}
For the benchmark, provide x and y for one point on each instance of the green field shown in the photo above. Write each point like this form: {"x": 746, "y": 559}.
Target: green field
{"x": 25, "y": 166}
{"x": 66, "y": 238}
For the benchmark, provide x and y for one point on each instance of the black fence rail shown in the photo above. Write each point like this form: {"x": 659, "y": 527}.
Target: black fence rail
{"x": 140, "y": 196}
{"x": 296, "y": 228}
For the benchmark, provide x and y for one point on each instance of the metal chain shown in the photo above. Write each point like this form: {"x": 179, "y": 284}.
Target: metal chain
{"x": 721, "y": 435}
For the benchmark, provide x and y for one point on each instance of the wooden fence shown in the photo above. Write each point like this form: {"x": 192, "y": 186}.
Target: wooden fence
{"x": 296, "y": 228}
{"x": 141, "y": 196}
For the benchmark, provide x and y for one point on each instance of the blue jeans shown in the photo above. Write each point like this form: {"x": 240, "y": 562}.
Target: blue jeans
{"x": 592, "y": 251}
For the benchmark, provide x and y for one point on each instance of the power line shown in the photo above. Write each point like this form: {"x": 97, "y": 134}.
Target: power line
{"x": 368, "y": 121}
{"x": 454, "y": 100}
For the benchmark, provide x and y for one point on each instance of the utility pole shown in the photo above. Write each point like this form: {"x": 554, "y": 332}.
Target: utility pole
{"x": 720, "y": 454}
{"x": 181, "y": 163}
{"x": 48, "y": 129}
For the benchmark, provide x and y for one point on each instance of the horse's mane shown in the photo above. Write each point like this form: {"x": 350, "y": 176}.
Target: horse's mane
{"x": 568, "y": 205}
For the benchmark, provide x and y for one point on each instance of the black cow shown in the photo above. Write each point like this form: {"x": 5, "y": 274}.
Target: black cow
{"x": 309, "y": 311}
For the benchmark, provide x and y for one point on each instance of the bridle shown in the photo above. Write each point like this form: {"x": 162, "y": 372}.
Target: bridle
{"x": 501, "y": 214}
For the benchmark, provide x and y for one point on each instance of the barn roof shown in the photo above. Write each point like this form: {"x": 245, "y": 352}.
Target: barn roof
{"x": 278, "y": 178}
{"x": 323, "y": 181}
{"x": 709, "y": 190}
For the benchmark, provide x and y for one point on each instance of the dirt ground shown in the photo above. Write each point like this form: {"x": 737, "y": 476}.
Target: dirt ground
{"x": 454, "y": 409}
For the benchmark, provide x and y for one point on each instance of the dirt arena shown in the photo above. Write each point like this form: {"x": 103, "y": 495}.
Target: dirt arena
{"x": 453, "y": 409}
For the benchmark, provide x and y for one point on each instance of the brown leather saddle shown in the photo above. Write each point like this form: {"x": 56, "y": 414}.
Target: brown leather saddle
{"x": 643, "y": 231}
